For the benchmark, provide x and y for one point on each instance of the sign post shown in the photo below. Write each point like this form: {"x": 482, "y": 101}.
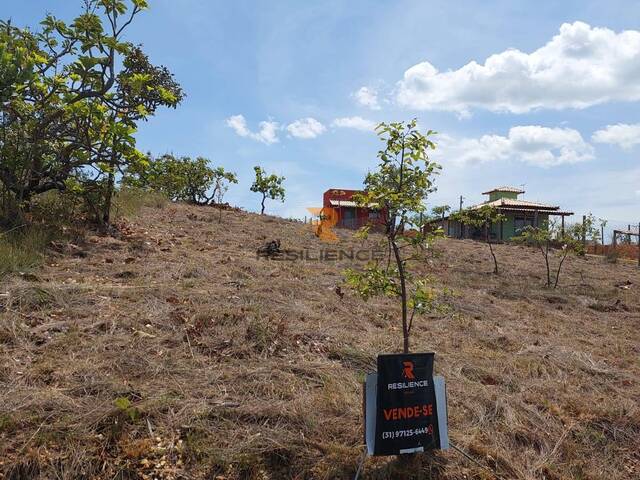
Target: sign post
{"x": 405, "y": 407}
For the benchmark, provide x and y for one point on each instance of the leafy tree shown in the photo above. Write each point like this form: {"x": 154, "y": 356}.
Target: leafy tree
{"x": 440, "y": 211}
{"x": 401, "y": 184}
{"x": 586, "y": 230}
{"x": 482, "y": 217}
{"x": 546, "y": 239}
{"x": 70, "y": 117}
{"x": 181, "y": 178}
{"x": 270, "y": 186}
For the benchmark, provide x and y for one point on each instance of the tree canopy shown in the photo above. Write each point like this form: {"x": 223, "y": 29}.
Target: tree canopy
{"x": 72, "y": 96}
{"x": 269, "y": 186}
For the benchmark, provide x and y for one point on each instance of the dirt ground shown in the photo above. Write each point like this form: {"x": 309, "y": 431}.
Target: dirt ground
{"x": 173, "y": 351}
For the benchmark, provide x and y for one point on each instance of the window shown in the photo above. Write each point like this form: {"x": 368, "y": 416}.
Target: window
{"x": 374, "y": 214}
{"x": 521, "y": 222}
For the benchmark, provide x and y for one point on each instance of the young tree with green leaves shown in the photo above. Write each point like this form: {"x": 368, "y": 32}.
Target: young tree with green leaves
{"x": 221, "y": 181}
{"x": 482, "y": 217}
{"x": 269, "y": 186}
{"x": 547, "y": 238}
{"x": 401, "y": 184}
{"x": 440, "y": 211}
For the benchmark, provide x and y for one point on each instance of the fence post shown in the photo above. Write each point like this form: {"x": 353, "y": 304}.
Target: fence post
{"x": 584, "y": 230}
{"x": 639, "y": 244}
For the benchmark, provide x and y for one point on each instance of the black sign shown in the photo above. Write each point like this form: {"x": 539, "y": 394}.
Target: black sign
{"x": 407, "y": 419}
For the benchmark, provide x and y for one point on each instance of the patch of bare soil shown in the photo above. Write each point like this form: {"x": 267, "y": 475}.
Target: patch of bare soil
{"x": 175, "y": 351}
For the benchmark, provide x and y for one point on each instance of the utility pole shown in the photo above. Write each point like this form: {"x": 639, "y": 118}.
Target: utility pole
{"x": 461, "y": 226}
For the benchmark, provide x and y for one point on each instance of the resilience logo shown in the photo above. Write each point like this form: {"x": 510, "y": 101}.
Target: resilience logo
{"x": 409, "y": 375}
{"x": 327, "y": 218}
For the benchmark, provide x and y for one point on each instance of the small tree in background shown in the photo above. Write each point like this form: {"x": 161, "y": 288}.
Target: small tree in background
{"x": 401, "y": 184}
{"x": 482, "y": 217}
{"x": 440, "y": 211}
{"x": 603, "y": 224}
{"x": 221, "y": 181}
{"x": 270, "y": 186}
{"x": 545, "y": 239}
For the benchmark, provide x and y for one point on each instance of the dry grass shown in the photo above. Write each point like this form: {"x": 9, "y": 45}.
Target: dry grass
{"x": 174, "y": 352}
{"x": 22, "y": 249}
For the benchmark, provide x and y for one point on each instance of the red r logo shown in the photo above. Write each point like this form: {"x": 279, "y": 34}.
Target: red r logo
{"x": 407, "y": 371}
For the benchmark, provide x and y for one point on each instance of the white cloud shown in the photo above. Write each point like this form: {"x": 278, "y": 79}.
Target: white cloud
{"x": 579, "y": 67}
{"x": 623, "y": 135}
{"x": 535, "y": 145}
{"x": 358, "y": 123}
{"x": 367, "y": 97}
{"x": 267, "y": 134}
{"x": 306, "y": 128}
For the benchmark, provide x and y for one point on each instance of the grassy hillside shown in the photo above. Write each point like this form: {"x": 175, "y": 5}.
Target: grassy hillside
{"x": 172, "y": 351}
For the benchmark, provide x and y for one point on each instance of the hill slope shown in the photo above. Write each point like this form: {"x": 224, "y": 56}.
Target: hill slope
{"x": 175, "y": 352}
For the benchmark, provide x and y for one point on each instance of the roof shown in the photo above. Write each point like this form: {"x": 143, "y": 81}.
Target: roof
{"x": 508, "y": 202}
{"x": 539, "y": 210}
{"x": 504, "y": 189}
{"x": 349, "y": 203}
{"x": 353, "y": 190}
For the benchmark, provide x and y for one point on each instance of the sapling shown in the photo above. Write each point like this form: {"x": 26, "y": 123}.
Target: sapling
{"x": 549, "y": 236}
{"x": 400, "y": 185}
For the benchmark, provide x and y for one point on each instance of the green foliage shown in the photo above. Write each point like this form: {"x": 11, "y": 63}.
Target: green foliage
{"x": 440, "y": 211}
{"x": 374, "y": 280}
{"x": 400, "y": 186}
{"x": 480, "y": 217}
{"x": 181, "y": 178}
{"x": 588, "y": 229}
{"x": 72, "y": 96}
{"x": 124, "y": 405}
{"x": 270, "y": 186}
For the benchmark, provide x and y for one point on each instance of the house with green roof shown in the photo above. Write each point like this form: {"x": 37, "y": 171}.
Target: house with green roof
{"x": 519, "y": 213}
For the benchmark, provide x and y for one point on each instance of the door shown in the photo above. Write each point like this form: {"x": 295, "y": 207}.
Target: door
{"x": 349, "y": 218}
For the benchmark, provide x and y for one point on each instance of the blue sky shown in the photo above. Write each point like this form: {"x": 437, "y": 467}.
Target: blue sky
{"x": 544, "y": 94}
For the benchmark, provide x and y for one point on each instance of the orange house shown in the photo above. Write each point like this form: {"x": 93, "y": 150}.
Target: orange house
{"x": 349, "y": 214}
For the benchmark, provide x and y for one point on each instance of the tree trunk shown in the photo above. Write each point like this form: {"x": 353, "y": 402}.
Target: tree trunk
{"x": 495, "y": 260}
{"x": 108, "y": 197}
{"x": 264, "y": 197}
{"x": 546, "y": 260}
{"x": 555, "y": 285}
{"x": 403, "y": 295}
